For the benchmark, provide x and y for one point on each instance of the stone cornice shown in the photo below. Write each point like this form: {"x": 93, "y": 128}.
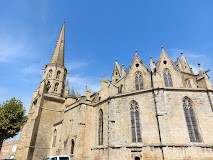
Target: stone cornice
{"x": 155, "y": 89}
{"x": 52, "y": 97}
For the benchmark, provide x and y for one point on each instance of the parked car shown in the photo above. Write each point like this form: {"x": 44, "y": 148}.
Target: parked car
{"x": 61, "y": 157}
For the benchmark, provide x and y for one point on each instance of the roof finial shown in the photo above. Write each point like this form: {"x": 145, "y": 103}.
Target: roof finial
{"x": 181, "y": 53}
{"x": 198, "y": 64}
{"x": 150, "y": 57}
{"x": 116, "y": 60}
{"x": 122, "y": 64}
{"x": 162, "y": 46}
{"x": 136, "y": 51}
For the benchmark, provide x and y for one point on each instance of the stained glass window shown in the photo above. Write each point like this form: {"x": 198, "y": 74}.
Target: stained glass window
{"x": 135, "y": 122}
{"x": 138, "y": 81}
{"x": 167, "y": 78}
{"x": 191, "y": 122}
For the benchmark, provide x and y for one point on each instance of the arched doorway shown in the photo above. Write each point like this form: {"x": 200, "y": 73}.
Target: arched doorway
{"x": 137, "y": 158}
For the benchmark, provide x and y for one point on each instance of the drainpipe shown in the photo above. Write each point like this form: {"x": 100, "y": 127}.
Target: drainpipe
{"x": 156, "y": 113}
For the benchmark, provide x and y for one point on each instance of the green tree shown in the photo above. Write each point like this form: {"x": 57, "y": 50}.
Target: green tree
{"x": 12, "y": 119}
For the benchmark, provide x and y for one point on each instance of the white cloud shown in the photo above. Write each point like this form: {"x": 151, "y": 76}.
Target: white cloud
{"x": 192, "y": 57}
{"x": 13, "y": 47}
{"x": 76, "y": 65}
{"x": 79, "y": 83}
{"x": 32, "y": 69}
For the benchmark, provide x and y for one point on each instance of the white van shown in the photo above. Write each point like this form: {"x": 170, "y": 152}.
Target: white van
{"x": 61, "y": 157}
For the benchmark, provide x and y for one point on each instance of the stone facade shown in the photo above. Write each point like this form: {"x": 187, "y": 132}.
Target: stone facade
{"x": 106, "y": 125}
{"x": 9, "y": 150}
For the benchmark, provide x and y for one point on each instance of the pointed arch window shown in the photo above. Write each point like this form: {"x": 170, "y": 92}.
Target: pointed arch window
{"x": 167, "y": 78}
{"x": 56, "y": 87}
{"x": 135, "y": 122}
{"x": 100, "y": 128}
{"x": 54, "y": 138}
{"x": 188, "y": 83}
{"x": 72, "y": 146}
{"x": 191, "y": 121}
{"x": 48, "y": 86}
{"x": 58, "y": 75}
{"x": 49, "y": 75}
{"x": 138, "y": 81}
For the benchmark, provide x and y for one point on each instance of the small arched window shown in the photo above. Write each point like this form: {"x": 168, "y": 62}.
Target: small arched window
{"x": 48, "y": 86}
{"x": 135, "y": 122}
{"x": 58, "y": 75}
{"x": 49, "y": 75}
{"x": 191, "y": 121}
{"x": 54, "y": 138}
{"x": 138, "y": 81}
{"x": 188, "y": 83}
{"x": 56, "y": 87}
{"x": 167, "y": 78}
{"x": 72, "y": 146}
{"x": 100, "y": 128}
{"x": 137, "y": 158}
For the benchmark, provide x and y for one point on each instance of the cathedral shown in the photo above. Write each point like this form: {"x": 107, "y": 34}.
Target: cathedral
{"x": 160, "y": 112}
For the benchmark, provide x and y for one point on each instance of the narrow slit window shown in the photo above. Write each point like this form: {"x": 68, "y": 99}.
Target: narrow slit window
{"x": 100, "y": 128}
{"x": 72, "y": 146}
{"x": 48, "y": 86}
{"x": 54, "y": 138}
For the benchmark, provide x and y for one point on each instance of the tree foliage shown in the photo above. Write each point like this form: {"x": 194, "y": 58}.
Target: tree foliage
{"x": 12, "y": 119}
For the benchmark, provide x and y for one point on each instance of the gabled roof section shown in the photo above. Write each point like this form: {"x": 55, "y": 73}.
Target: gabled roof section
{"x": 185, "y": 64}
{"x": 58, "y": 55}
{"x": 161, "y": 58}
{"x": 136, "y": 57}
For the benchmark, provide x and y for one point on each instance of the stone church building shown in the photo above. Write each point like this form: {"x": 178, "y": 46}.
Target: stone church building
{"x": 163, "y": 111}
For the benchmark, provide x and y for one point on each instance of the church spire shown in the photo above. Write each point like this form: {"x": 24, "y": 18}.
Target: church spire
{"x": 58, "y": 55}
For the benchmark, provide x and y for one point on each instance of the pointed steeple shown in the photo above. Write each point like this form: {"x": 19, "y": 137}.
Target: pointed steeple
{"x": 72, "y": 93}
{"x": 58, "y": 55}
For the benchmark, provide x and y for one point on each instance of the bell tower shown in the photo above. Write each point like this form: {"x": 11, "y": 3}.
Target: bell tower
{"x": 55, "y": 72}
{"x": 46, "y": 107}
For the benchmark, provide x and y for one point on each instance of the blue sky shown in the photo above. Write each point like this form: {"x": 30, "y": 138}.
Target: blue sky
{"x": 97, "y": 32}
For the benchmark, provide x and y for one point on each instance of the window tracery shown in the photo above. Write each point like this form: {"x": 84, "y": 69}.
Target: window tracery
{"x": 191, "y": 122}
{"x": 135, "y": 122}
{"x": 167, "y": 78}
{"x": 138, "y": 81}
{"x": 188, "y": 83}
